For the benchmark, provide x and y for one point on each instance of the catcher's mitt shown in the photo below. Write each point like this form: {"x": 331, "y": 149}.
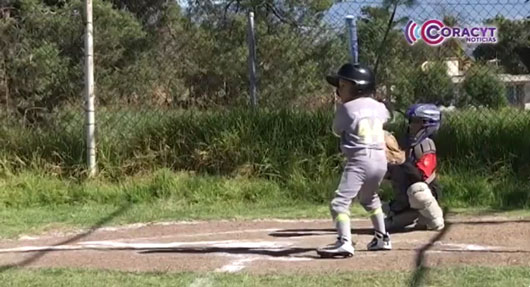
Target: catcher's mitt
{"x": 394, "y": 154}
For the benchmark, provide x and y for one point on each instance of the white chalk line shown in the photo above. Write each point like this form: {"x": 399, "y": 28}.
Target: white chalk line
{"x": 466, "y": 247}
{"x": 197, "y": 222}
{"x": 110, "y": 245}
{"x": 251, "y": 244}
{"x": 236, "y": 264}
{"x": 124, "y": 243}
{"x": 270, "y": 230}
{"x": 242, "y": 261}
{"x": 200, "y": 234}
{"x": 30, "y": 238}
{"x": 169, "y": 223}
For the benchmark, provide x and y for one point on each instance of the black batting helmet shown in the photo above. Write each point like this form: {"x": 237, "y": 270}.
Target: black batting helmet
{"x": 362, "y": 76}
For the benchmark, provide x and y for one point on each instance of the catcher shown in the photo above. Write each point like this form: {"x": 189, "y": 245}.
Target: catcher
{"x": 359, "y": 121}
{"x": 413, "y": 173}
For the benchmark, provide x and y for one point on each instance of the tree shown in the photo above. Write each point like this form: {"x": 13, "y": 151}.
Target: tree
{"x": 403, "y": 86}
{"x": 393, "y": 55}
{"x": 511, "y": 35}
{"x": 482, "y": 87}
{"x": 398, "y": 61}
{"x": 451, "y": 47}
{"x": 149, "y": 13}
{"x": 433, "y": 85}
{"x": 43, "y": 52}
{"x": 295, "y": 13}
{"x": 294, "y": 51}
{"x": 387, "y": 5}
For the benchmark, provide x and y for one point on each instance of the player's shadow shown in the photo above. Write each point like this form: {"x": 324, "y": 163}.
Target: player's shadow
{"x": 75, "y": 238}
{"x": 328, "y": 231}
{"x": 273, "y": 252}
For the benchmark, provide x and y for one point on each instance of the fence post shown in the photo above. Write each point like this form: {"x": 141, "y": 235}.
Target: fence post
{"x": 89, "y": 92}
{"x": 352, "y": 32}
{"x": 251, "y": 41}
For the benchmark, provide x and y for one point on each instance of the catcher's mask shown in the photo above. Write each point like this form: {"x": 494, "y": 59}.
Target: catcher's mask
{"x": 430, "y": 118}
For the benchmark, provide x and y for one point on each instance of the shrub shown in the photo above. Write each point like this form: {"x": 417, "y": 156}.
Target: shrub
{"x": 482, "y": 87}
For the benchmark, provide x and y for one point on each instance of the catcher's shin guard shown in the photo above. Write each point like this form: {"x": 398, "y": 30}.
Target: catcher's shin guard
{"x": 421, "y": 198}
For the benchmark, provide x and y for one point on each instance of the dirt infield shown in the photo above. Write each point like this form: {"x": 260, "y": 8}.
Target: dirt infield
{"x": 271, "y": 246}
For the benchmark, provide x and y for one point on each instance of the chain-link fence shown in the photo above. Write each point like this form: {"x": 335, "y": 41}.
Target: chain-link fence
{"x": 157, "y": 60}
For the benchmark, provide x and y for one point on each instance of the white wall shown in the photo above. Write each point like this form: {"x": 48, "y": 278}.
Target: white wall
{"x": 527, "y": 96}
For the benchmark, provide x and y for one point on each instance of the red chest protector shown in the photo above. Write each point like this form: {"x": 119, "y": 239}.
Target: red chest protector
{"x": 423, "y": 155}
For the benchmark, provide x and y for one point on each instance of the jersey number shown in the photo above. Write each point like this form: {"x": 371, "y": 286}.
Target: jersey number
{"x": 370, "y": 130}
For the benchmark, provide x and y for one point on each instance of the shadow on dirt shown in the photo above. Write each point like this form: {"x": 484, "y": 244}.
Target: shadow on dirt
{"x": 280, "y": 252}
{"x": 303, "y": 232}
{"x": 315, "y": 232}
{"x": 326, "y": 231}
{"x": 75, "y": 238}
{"x": 420, "y": 271}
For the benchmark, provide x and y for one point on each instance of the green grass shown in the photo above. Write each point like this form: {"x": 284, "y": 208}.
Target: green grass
{"x": 31, "y": 203}
{"x": 273, "y": 163}
{"x": 461, "y": 189}
{"x": 274, "y": 144}
{"x": 462, "y": 276}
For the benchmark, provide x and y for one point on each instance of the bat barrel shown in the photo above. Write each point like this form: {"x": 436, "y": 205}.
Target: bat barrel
{"x": 352, "y": 33}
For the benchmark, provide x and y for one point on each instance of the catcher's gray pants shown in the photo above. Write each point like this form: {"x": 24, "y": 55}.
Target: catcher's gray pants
{"x": 361, "y": 178}
{"x": 423, "y": 207}
{"x": 410, "y": 218}
{"x": 406, "y": 219}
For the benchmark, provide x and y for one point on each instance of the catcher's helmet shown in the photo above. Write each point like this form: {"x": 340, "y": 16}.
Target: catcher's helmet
{"x": 429, "y": 113}
{"x": 431, "y": 117}
{"x": 362, "y": 76}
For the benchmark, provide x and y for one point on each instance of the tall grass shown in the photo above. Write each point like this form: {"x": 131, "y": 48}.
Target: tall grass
{"x": 293, "y": 148}
{"x": 487, "y": 139}
{"x": 35, "y": 190}
{"x": 263, "y": 143}
{"x": 185, "y": 189}
{"x": 273, "y": 144}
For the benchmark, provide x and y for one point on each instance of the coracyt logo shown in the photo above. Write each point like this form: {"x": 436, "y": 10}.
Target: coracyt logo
{"x": 435, "y": 32}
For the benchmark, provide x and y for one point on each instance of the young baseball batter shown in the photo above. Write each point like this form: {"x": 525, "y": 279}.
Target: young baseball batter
{"x": 359, "y": 121}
